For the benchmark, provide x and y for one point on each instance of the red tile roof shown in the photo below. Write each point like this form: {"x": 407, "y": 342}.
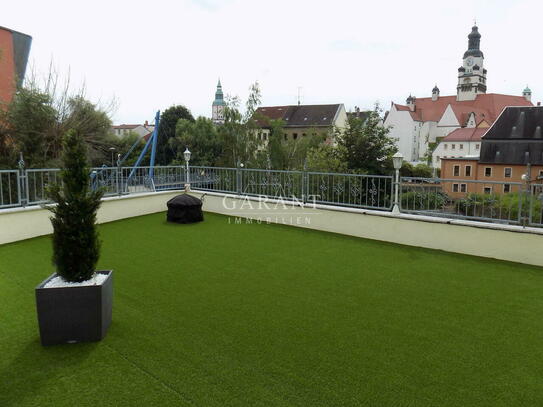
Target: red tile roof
{"x": 485, "y": 106}
{"x": 466, "y": 134}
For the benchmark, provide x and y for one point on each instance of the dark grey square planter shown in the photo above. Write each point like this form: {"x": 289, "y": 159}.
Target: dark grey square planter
{"x": 74, "y": 314}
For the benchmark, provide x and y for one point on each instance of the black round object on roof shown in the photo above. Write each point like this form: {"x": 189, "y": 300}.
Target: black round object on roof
{"x": 184, "y": 208}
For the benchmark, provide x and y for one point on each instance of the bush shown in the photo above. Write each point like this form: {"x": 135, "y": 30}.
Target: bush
{"x": 423, "y": 199}
{"x": 496, "y": 206}
{"x": 76, "y": 247}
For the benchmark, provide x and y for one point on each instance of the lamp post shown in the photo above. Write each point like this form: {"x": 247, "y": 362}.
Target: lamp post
{"x": 397, "y": 160}
{"x": 112, "y": 149}
{"x": 187, "y": 154}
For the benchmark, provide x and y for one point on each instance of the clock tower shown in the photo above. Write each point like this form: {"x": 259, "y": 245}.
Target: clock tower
{"x": 471, "y": 75}
{"x": 217, "y": 108}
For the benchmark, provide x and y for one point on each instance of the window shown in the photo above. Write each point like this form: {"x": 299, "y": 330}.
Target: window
{"x": 467, "y": 171}
{"x": 455, "y": 187}
{"x": 303, "y": 134}
{"x": 462, "y": 187}
{"x": 477, "y": 146}
{"x": 461, "y": 146}
{"x": 453, "y": 146}
{"x": 294, "y": 136}
{"x": 507, "y": 172}
{"x": 445, "y": 146}
{"x": 285, "y": 136}
{"x": 540, "y": 173}
{"x": 488, "y": 171}
{"x": 456, "y": 170}
{"x": 506, "y": 188}
{"x": 488, "y": 190}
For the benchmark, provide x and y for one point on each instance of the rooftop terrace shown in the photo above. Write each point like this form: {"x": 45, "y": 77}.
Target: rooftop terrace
{"x": 225, "y": 314}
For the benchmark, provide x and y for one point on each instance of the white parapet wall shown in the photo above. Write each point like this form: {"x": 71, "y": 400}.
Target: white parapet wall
{"x": 503, "y": 242}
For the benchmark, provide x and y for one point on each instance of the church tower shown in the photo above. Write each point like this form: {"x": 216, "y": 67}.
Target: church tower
{"x": 472, "y": 75}
{"x": 217, "y": 108}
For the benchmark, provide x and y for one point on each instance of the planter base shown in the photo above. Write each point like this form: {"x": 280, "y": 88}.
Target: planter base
{"x": 74, "y": 314}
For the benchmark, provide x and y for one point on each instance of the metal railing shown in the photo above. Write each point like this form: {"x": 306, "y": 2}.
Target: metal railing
{"x": 10, "y": 194}
{"x": 489, "y": 201}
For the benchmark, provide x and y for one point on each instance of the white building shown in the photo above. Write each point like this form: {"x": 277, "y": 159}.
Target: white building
{"x": 123, "y": 130}
{"x": 460, "y": 143}
{"x": 422, "y": 123}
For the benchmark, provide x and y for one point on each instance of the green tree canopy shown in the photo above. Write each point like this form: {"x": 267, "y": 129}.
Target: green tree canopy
{"x": 165, "y": 152}
{"x": 366, "y": 147}
{"x": 201, "y": 138}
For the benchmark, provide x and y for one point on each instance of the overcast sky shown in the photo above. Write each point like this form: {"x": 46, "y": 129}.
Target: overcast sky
{"x": 149, "y": 55}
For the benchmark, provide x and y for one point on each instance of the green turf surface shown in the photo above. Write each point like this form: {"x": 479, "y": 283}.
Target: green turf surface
{"x": 218, "y": 314}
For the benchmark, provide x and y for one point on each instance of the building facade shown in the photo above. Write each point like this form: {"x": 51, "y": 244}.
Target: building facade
{"x": 123, "y": 130}
{"x": 14, "y": 50}
{"x": 300, "y": 121}
{"x": 510, "y": 149}
{"x": 422, "y": 123}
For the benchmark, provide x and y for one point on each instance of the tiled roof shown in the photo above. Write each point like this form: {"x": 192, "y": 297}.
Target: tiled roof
{"x": 127, "y": 126}
{"x": 515, "y": 138}
{"x": 466, "y": 134}
{"x": 298, "y": 115}
{"x": 485, "y": 106}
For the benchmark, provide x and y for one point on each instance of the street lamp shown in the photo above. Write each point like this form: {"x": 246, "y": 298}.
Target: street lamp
{"x": 397, "y": 160}
{"x": 187, "y": 155}
{"x": 112, "y": 149}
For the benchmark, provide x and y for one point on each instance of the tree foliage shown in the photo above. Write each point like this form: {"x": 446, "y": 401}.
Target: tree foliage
{"x": 201, "y": 138}
{"x": 326, "y": 158}
{"x": 366, "y": 147}
{"x": 76, "y": 247}
{"x": 238, "y": 133}
{"x": 40, "y": 114}
{"x": 165, "y": 152}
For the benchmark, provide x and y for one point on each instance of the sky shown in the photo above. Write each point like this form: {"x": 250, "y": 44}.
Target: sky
{"x": 149, "y": 55}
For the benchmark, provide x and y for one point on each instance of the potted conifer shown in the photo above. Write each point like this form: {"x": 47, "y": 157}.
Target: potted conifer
{"x": 74, "y": 304}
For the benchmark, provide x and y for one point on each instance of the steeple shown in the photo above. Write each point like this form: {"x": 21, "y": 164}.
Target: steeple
{"x": 219, "y": 97}
{"x": 217, "y": 108}
{"x": 472, "y": 75}
{"x": 474, "y": 42}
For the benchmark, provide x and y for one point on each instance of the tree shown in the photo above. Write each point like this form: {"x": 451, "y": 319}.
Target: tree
{"x": 38, "y": 117}
{"x": 202, "y": 140}
{"x": 165, "y": 152}
{"x": 76, "y": 247}
{"x": 365, "y": 144}
{"x": 238, "y": 132}
{"x": 326, "y": 158}
{"x": 28, "y": 127}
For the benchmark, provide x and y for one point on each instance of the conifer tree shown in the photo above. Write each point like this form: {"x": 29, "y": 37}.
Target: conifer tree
{"x": 76, "y": 247}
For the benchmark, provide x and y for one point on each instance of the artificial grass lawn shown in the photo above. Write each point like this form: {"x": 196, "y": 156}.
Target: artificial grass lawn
{"x": 219, "y": 314}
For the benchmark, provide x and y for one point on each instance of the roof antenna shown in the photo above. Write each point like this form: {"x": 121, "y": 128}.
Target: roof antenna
{"x": 299, "y": 97}
{"x": 474, "y": 21}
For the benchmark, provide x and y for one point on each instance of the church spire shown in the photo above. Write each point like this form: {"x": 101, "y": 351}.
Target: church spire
{"x": 474, "y": 42}
{"x": 217, "y": 108}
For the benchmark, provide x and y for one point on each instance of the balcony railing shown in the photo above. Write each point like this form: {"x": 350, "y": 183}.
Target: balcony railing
{"x": 489, "y": 201}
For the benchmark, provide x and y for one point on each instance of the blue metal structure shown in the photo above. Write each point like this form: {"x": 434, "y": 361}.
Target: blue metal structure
{"x": 152, "y": 141}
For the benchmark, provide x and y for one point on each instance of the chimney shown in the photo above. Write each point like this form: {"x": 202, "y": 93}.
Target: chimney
{"x": 539, "y": 103}
{"x": 146, "y": 123}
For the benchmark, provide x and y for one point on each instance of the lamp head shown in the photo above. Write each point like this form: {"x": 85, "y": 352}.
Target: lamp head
{"x": 187, "y": 154}
{"x": 397, "y": 160}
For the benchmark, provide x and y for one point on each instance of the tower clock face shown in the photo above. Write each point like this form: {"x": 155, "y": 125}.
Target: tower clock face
{"x": 469, "y": 61}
